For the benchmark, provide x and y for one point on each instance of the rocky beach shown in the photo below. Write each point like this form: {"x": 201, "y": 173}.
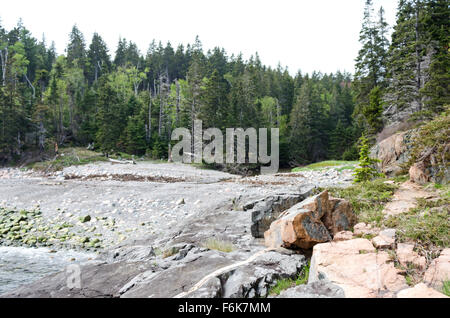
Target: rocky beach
{"x": 173, "y": 230}
{"x": 135, "y": 213}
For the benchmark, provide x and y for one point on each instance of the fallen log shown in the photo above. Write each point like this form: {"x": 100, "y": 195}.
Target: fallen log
{"x": 114, "y": 161}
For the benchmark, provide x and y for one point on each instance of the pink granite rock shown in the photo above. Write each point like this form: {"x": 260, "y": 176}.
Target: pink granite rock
{"x": 357, "y": 268}
{"x": 439, "y": 270}
{"x": 420, "y": 291}
{"x": 406, "y": 255}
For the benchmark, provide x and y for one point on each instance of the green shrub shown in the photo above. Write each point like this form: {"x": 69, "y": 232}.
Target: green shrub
{"x": 287, "y": 283}
{"x": 446, "y": 288}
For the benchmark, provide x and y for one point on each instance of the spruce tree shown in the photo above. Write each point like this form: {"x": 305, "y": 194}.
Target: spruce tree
{"x": 437, "y": 26}
{"x": 76, "y": 49}
{"x": 98, "y": 58}
{"x": 370, "y": 65}
{"x": 214, "y": 102}
{"x": 404, "y": 62}
{"x": 365, "y": 171}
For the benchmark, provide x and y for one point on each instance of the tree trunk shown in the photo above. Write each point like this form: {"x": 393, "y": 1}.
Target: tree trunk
{"x": 31, "y": 85}
{"x": 278, "y": 114}
{"x": 60, "y": 129}
{"x": 418, "y": 59}
{"x": 41, "y": 136}
{"x": 4, "y": 60}
{"x": 149, "y": 132}
{"x": 178, "y": 101}
{"x": 193, "y": 129}
{"x": 160, "y": 110}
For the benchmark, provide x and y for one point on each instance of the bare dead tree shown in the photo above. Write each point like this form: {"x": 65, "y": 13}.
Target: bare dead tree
{"x": 164, "y": 87}
{"x": 160, "y": 108}
{"x": 4, "y": 61}
{"x": 418, "y": 59}
{"x": 31, "y": 85}
{"x": 278, "y": 114}
{"x": 178, "y": 100}
{"x": 149, "y": 127}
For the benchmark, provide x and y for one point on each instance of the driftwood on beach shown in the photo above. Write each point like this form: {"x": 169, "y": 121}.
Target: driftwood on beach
{"x": 114, "y": 161}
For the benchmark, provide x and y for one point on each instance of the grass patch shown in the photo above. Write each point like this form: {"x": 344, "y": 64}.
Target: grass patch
{"x": 367, "y": 198}
{"x": 169, "y": 252}
{"x": 428, "y": 223}
{"x": 402, "y": 178}
{"x": 350, "y": 165}
{"x": 409, "y": 280}
{"x": 281, "y": 285}
{"x": 69, "y": 157}
{"x": 352, "y": 168}
{"x": 446, "y": 288}
{"x": 287, "y": 283}
{"x": 219, "y": 245}
{"x": 302, "y": 279}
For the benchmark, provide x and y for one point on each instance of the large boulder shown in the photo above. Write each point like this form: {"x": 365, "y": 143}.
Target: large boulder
{"x": 357, "y": 268}
{"x": 312, "y": 221}
{"x": 418, "y": 173}
{"x": 393, "y": 153}
{"x": 427, "y": 167}
{"x": 339, "y": 216}
{"x": 267, "y": 210}
{"x": 297, "y": 229}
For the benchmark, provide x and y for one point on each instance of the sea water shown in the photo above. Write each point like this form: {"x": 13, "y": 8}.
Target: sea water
{"x": 21, "y": 265}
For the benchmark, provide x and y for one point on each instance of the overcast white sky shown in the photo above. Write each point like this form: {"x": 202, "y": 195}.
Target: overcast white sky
{"x": 309, "y": 35}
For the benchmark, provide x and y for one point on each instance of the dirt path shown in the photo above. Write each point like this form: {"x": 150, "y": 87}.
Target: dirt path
{"x": 405, "y": 198}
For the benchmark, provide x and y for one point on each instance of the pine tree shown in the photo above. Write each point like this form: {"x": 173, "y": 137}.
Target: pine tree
{"x": 405, "y": 56}
{"x": 371, "y": 63}
{"x": 365, "y": 171}
{"x": 134, "y": 136}
{"x": 214, "y": 102}
{"x": 120, "y": 56}
{"x": 76, "y": 49}
{"x": 98, "y": 57}
{"x": 374, "y": 110}
{"x": 338, "y": 142}
{"x": 437, "y": 26}
{"x": 300, "y": 138}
